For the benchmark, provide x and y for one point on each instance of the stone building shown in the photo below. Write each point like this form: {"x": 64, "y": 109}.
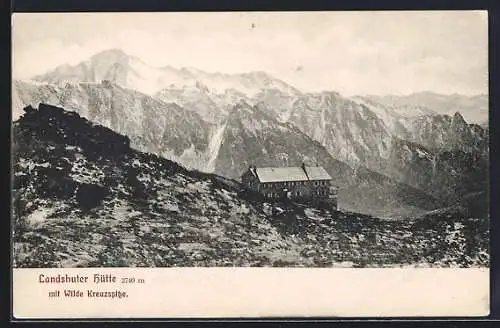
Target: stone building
{"x": 303, "y": 183}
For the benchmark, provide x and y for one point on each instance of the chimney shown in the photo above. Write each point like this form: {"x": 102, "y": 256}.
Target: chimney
{"x": 252, "y": 168}
{"x": 303, "y": 166}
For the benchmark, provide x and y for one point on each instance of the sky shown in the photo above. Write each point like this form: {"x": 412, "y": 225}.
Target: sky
{"x": 350, "y": 52}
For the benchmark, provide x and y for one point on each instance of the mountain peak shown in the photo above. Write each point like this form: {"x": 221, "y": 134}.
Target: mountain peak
{"x": 243, "y": 109}
{"x": 330, "y": 94}
{"x": 109, "y": 58}
{"x": 114, "y": 52}
{"x": 242, "y": 104}
{"x": 459, "y": 119}
{"x": 257, "y": 74}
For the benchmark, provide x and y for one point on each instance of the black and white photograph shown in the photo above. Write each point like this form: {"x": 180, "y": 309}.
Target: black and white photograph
{"x": 250, "y": 139}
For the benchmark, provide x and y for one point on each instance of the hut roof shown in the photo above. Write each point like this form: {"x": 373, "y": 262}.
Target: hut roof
{"x": 298, "y": 173}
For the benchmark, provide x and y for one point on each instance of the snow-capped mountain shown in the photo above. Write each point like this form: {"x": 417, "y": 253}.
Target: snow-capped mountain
{"x": 128, "y": 71}
{"x": 221, "y": 123}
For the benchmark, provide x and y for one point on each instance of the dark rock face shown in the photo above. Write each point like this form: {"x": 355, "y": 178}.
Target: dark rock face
{"x": 448, "y": 133}
{"x": 90, "y": 195}
{"x": 448, "y": 175}
{"x": 46, "y": 123}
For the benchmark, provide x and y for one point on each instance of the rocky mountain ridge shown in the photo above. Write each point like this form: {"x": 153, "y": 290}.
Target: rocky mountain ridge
{"x": 83, "y": 198}
{"x": 198, "y": 122}
{"x": 473, "y": 108}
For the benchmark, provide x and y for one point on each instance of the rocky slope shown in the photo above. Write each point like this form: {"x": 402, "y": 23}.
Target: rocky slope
{"x": 83, "y": 198}
{"x": 165, "y": 129}
{"x": 430, "y": 129}
{"x": 452, "y": 176}
{"x": 351, "y": 131}
{"x": 445, "y": 133}
{"x": 213, "y": 107}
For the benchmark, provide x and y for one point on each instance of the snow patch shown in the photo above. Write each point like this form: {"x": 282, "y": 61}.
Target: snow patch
{"x": 421, "y": 153}
{"x": 39, "y": 215}
{"x": 214, "y": 147}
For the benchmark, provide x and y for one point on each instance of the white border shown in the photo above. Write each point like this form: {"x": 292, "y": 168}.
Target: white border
{"x": 259, "y": 292}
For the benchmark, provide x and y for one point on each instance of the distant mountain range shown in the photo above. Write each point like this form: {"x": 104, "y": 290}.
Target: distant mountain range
{"x": 412, "y": 153}
{"x": 473, "y": 108}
